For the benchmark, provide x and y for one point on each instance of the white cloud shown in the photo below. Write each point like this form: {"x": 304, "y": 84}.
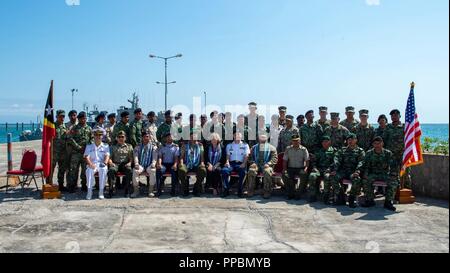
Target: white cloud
{"x": 373, "y": 2}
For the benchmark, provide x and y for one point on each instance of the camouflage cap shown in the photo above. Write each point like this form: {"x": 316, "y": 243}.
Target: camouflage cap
{"x": 326, "y": 138}
{"x": 309, "y": 112}
{"x": 351, "y": 135}
{"x": 334, "y": 115}
{"x": 350, "y": 109}
{"x": 124, "y": 114}
{"x": 395, "y": 111}
{"x": 364, "y": 112}
{"x": 377, "y": 139}
{"x": 290, "y": 117}
{"x": 81, "y": 115}
{"x": 282, "y": 108}
{"x": 60, "y": 113}
{"x": 323, "y": 109}
{"x": 122, "y": 133}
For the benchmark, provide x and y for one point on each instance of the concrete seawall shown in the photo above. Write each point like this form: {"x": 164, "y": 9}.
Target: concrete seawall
{"x": 431, "y": 178}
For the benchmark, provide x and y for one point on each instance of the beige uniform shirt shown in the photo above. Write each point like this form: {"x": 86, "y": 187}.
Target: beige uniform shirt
{"x": 296, "y": 157}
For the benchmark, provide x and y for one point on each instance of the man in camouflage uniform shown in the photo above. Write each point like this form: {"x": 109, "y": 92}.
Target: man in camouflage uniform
{"x": 295, "y": 164}
{"x": 393, "y": 138}
{"x": 109, "y": 128}
{"x": 121, "y": 160}
{"x": 364, "y": 131}
{"x": 242, "y": 128}
{"x": 336, "y": 132}
{"x": 263, "y": 158}
{"x": 323, "y": 121}
{"x": 59, "y": 149}
{"x": 80, "y": 137}
{"x": 300, "y": 121}
{"x": 285, "y": 138}
{"x": 311, "y": 133}
{"x": 69, "y": 126}
{"x": 251, "y": 121}
{"x": 379, "y": 165}
{"x": 136, "y": 128}
{"x": 350, "y": 122}
{"x": 348, "y": 164}
{"x": 123, "y": 125}
{"x": 151, "y": 128}
{"x": 322, "y": 168}
{"x": 382, "y": 122}
{"x": 164, "y": 128}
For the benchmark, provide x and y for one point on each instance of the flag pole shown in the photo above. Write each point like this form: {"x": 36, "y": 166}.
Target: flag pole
{"x": 50, "y": 178}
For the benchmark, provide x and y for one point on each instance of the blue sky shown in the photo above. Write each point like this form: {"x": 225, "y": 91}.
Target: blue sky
{"x": 302, "y": 54}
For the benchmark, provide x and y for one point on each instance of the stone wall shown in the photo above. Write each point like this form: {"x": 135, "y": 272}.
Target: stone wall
{"x": 431, "y": 178}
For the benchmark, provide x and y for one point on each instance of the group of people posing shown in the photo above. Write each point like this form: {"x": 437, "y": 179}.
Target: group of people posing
{"x": 297, "y": 157}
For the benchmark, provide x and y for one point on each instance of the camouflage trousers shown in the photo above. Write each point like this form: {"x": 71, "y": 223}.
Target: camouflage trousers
{"x": 392, "y": 185}
{"x": 59, "y": 158}
{"x": 314, "y": 181}
{"x": 122, "y": 168}
{"x": 200, "y": 176}
{"x": 406, "y": 179}
{"x": 290, "y": 178}
{"x": 77, "y": 161}
{"x": 356, "y": 183}
{"x": 267, "y": 179}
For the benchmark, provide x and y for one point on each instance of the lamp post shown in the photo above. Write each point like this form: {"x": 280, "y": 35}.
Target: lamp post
{"x": 165, "y": 74}
{"x": 205, "y": 101}
{"x": 73, "y": 91}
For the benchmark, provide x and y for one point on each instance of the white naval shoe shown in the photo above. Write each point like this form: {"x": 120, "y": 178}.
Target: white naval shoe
{"x": 101, "y": 196}
{"x": 89, "y": 194}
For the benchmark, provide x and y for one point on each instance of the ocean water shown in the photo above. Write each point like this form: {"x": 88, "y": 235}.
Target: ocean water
{"x": 439, "y": 131}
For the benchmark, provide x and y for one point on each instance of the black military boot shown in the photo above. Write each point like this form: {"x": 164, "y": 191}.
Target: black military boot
{"x": 351, "y": 201}
{"x": 368, "y": 204}
{"x": 389, "y": 206}
{"x": 84, "y": 188}
{"x": 225, "y": 193}
{"x": 61, "y": 188}
{"x": 340, "y": 199}
{"x": 326, "y": 198}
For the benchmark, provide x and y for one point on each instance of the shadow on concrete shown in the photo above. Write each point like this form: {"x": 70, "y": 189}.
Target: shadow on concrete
{"x": 19, "y": 195}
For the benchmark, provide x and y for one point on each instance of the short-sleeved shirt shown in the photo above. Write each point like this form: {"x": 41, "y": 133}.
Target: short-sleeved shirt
{"x": 97, "y": 154}
{"x": 296, "y": 157}
{"x": 168, "y": 153}
{"x": 121, "y": 153}
{"x": 237, "y": 152}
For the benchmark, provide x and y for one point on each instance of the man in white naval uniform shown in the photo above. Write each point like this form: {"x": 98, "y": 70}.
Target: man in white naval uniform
{"x": 97, "y": 157}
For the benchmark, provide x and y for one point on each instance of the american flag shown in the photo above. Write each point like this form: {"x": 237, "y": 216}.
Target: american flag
{"x": 412, "y": 154}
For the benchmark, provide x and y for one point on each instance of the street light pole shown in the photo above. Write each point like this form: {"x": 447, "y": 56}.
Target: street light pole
{"x": 166, "y": 83}
{"x": 205, "y": 101}
{"x": 73, "y": 91}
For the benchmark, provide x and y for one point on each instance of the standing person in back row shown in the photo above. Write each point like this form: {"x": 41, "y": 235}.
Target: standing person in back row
{"x": 350, "y": 122}
{"x": 136, "y": 128}
{"x": 80, "y": 137}
{"x": 394, "y": 139}
{"x": 336, "y": 132}
{"x": 285, "y": 138}
{"x": 59, "y": 149}
{"x": 123, "y": 125}
{"x": 69, "y": 150}
{"x": 364, "y": 131}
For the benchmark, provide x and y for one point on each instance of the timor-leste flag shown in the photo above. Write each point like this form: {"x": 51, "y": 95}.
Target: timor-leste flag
{"x": 49, "y": 133}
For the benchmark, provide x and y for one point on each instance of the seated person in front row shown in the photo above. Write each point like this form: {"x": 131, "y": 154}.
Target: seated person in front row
{"x": 192, "y": 160}
{"x": 145, "y": 156}
{"x": 379, "y": 165}
{"x": 214, "y": 157}
{"x": 167, "y": 161}
{"x": 120, "y": 161}
{"x": 97, "y": 157}
{"x": 263, "y": 157}
{"x": 295, "y": 164}
{"x": 237, "y": 156}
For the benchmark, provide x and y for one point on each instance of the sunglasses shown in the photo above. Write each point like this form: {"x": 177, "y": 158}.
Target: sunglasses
{"x": 121, "y": 137}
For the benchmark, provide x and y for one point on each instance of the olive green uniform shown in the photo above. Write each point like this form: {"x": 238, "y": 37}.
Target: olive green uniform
{"x": 80, "y": 137}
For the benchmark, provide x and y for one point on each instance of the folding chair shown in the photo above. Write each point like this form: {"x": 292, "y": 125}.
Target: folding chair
{"x": 27, "y": 170}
